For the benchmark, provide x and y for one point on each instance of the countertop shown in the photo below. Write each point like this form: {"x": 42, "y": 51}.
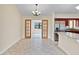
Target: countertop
{"x": 70, "y": 35}
{"x": 69, "y": 42}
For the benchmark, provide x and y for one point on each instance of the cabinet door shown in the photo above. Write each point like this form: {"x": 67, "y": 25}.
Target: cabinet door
{"x": 27, "y": 28}
{"x": 45, "y": 29}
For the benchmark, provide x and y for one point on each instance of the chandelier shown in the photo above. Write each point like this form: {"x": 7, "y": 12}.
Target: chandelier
{"x": 36, "y": 12}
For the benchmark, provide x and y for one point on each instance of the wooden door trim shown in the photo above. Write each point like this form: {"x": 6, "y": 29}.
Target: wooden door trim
{"x": 30, "y": 28}
{"x": 46, "y": 30}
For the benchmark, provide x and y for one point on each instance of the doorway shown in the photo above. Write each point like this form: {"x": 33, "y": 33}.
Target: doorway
{"x": 36, "y": 29}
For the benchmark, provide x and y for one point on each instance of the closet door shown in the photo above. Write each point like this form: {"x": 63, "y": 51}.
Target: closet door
{"x": 27, "y": 28}
{"x": 45, "y": 29}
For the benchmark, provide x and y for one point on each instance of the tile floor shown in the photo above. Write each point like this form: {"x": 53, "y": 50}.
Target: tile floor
{"x": 34, "y": 47}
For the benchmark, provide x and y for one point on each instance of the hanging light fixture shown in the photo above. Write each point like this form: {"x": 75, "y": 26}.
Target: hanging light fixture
{"x": 36, "y": 12}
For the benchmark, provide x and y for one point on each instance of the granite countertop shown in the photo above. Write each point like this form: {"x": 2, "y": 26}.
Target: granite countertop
{"x": 70, "y": 35}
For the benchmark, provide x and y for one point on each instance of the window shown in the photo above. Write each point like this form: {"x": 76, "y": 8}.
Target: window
{"x": 38, "y": 25}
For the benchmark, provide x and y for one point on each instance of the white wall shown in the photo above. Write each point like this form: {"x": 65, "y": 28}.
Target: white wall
{"x": 10, "y": 24}
{"x": 66, "y": 15}
{"x": 1, "y": 26}
{"x": 52, "y": 26}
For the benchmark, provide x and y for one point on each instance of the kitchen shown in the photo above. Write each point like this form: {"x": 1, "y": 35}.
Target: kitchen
{"x": 67, "y": 34}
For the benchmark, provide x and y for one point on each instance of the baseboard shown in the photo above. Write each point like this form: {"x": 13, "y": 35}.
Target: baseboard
{"x": 9, "y": 46}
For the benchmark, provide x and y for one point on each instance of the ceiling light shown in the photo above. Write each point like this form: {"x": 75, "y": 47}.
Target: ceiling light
{"x": 36, "y": 12}
{"x": 77, "y": 7}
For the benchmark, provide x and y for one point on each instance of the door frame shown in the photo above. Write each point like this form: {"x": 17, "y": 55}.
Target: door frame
{"x": 25, "y": 28}
{"x": 46, "y": 30}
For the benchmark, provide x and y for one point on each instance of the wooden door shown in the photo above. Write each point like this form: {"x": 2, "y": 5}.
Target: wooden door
{"x": 45, "y": 29}
{"x": 27, "y": 28}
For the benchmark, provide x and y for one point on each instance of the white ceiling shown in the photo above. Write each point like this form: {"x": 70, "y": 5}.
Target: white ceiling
{"x": 47, "y": 9}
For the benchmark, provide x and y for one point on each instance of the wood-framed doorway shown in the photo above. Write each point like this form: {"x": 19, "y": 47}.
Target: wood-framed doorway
{"x": 28, "y": 28}
{"x": 44, "y": 29}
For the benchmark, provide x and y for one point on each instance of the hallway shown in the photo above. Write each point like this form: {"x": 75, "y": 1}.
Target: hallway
{"x": 17, "y": 24}
{"x": 34, "y": 47}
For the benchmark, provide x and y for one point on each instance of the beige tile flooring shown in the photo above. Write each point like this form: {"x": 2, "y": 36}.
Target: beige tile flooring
{"x": 34, "y": 47}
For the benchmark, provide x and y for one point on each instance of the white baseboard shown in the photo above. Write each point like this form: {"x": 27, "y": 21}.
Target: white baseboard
{"x": 9, "y": 46}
